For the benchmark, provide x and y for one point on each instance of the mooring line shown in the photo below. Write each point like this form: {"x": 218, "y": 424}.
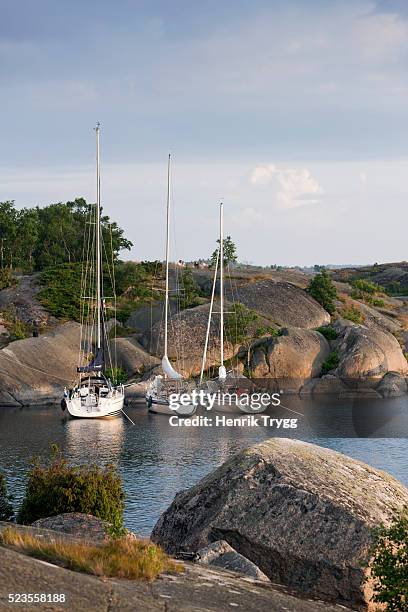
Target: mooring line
{"x": 128, "y": 417}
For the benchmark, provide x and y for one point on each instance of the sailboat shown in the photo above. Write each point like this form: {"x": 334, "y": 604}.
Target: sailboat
{"x": 159, "y": 389}
{"x": 94, "y": 395}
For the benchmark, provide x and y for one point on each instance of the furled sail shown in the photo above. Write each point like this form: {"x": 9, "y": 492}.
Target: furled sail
{"x": 222, "y": 373}
{"x": 96, "y": 364}
{"x": 169, "y": 370}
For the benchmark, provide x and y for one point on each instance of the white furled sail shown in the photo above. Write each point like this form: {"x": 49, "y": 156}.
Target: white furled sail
{"x": 169, "y": 370}
{"x": 222, "y": 373}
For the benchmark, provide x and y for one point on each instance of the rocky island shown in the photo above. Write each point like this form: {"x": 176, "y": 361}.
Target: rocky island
{"x": 286, "y": 336}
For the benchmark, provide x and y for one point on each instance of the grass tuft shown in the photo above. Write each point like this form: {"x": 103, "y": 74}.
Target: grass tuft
{"x": 132, "y": 559}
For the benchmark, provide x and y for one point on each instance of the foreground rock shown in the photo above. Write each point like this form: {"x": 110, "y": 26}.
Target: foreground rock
{"x": 303, "y": 514}
{"x": 281, "y": 303}
{"x": 290, "y": 359}
{"x": 77, "y": 525}
{"x": 200, "y": 588}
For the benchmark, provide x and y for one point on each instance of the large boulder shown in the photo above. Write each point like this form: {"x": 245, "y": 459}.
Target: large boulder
{"x": 35, "y": 370}
{"x": 132, "y": 357}
{"x": 368, "y": 353}
{"x": 281, "y": 303}
{"x": 186, "y": 339}
{"x": 294, "y": 356}
{"x": 303, "y": 514}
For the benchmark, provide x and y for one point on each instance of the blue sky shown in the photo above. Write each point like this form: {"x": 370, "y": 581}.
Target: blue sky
{"x": 294, "y": 113}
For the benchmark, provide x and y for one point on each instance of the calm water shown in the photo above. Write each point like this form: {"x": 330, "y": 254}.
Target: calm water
{"x": 156, "y": 460}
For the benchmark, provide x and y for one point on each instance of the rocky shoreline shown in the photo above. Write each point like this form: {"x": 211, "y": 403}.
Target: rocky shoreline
{"x": 281, "y": 525}
{"x": 294, "y": 346}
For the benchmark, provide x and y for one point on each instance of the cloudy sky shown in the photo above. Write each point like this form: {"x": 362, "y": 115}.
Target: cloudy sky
{"x": 293, "y": 112}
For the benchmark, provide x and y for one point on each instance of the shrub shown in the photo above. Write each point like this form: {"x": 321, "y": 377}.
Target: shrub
{"x": 389, "y": 568}
{"x": 6, "y": 509}
{"x": 17, "y": 328}
{"x": 117, "y": 375}
{"x": 364, "y": 286}
{"x": 352, "y": 313}
{"x": 328, "y": 332}
{"x": 6, "y": 279}
{"x": 57, "y": 487}
{"x": 330, "y": 364}
{"x": 237, "y": 323}
{"x": 189, "y": 294}
{"x": 122, "y": 558}
{"x": 322, "y": 289}
{"x": 367, "y": 291}
{"x": 266, "y": 330}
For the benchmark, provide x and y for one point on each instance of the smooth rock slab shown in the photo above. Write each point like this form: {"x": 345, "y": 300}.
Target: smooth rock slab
{"x": 199, "y": 589}
{"x": 221, "y": 554}
{"x": 303, "y": 514}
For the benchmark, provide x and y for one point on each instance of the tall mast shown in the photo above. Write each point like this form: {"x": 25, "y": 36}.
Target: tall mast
{"x": 222, "y": 283}
{"x": 98, "y": 240}
{"x": 166, "y": 308}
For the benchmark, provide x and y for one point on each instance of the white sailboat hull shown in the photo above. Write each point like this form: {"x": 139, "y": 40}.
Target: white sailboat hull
{"x": 100, "y": 408}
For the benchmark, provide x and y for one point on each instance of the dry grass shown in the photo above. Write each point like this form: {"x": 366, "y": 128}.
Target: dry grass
{"x": 122, "y": 558}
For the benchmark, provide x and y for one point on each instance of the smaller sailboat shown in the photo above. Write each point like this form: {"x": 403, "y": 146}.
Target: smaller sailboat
{"x": 94, "y": 395}
{"x": 159, "y": 389}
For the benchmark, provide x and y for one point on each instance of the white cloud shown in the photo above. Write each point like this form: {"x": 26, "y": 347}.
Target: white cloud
{"x": 291, "y": 186}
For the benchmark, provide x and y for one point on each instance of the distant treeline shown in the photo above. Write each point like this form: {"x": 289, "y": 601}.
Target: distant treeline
{"x": 37, "y": 238}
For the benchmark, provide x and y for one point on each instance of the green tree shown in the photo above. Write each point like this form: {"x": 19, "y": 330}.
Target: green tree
{"x": 230, "y": 252}
{"x": 389, "y": 567}
{"x": 322, "y": 289}
{"x": 7, "y": 233}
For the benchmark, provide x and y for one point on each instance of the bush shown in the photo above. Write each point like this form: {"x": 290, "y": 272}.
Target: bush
{"x": 57, "y": 488}
{"x": 189, "y": 294}
{"x": 364, "y": 286}
{"x": 328, "y": 332}
{"x": 237, "y": 323}
{"x": 367, "y": 291}
{"x": 266, "y": 330}
{"x": 389, "y": 568}
{"x": 117, "y": 375}
{"x": 6, "y": 509}
{"x": 17, "y": 328}
{"x": 322, "y": 289}
{"x": 331, "y": 363}
{"x": 352, "y": 313}
{"x": 6, "y": 279}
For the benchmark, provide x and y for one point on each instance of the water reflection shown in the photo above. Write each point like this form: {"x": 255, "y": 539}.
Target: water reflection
{"x": 100, "y": 441}
{"x": 156, "y": 460}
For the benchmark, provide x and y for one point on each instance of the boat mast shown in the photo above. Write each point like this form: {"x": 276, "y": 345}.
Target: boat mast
{"x": 166, "y": 308}
{"x": 222, "y": 284}
{"x": 98, "y": 240}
